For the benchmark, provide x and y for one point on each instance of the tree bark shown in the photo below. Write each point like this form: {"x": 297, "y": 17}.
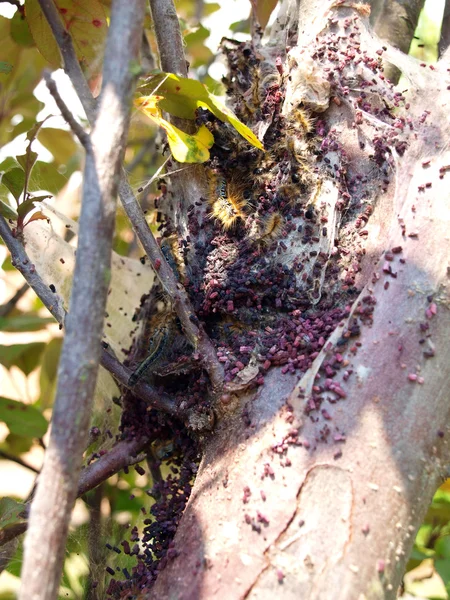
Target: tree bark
{"x": 314, "y": 487}
{"x": 78, "y": 368}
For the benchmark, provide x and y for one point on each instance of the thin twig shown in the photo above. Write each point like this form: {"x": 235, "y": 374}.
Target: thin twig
{"x": 143, "y": 150}
{"x": 80, "y": 356}
{"x": 18, "y": 461}
{"x": 66, "y": 113}
{"x": 54, "y": 304}
{"x": 168, "y": 37}
{"x": 182, "y": 304}
{"x": 71, "y": 65}
{"x": 173, "y": 61}
{"x": 141, "y": 389}
{"x": 96, "y": 550}
{"x": 8, "y": 307}
{"x": 124, "y": 454}
{"x": 20, "y": 260}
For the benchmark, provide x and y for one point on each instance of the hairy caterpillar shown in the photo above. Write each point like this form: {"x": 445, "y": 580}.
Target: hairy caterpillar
{"x": 158, "y": 344}
{"x": 171, "y": 251}
{"x": 227, "y": 201}
{"x": 271, "y": 228}
{"x": 268, "y": 229}
{"x": 301, "y": 121}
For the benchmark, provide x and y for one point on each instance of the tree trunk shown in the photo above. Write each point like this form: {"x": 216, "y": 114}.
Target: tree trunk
{"x": 314, "y": 484}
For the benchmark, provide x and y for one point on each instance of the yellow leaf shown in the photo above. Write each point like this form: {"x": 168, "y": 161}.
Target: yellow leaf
{"x": 185, "y": 147}
{"x": 188, "y": 148}
{"x": 148, "y": 105}
{"x": 181, "y": 96}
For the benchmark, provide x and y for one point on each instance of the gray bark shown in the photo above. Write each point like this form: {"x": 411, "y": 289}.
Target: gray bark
{"x": 77, "y": 374}
{"x": 306, "y": 494}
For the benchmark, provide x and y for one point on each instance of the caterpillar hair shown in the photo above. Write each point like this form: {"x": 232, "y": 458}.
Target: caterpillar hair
{"x": 227, "y": 201}
{"x": 302, "y": 120}
{"x": 271, "y": 228}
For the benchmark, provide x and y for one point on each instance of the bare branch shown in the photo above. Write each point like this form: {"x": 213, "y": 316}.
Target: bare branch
{"x": 173, "y": 59}
{"x": 96, "y": 551}
{"x": 20, "y": 260}
{"x": 66, "y": 113}
{"x": 57, "y": 487}
{"x": 168, "y": 37}
{"x": 142, "y": 389}
{"x": 124, "y": 454}
{"x": 54, "y": 304}
{"x": 71, "y": 65}
{"x": 18, "y": 461}
{"x": 9, "y": 306}
{"x": 182, "y": 305}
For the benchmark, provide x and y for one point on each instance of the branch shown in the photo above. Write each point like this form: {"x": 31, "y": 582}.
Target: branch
{"x": 124, "y": 454}
{"x": 18, "y": 460}
{"x": 54, "y": 305}
{"x": 8, "y": 307}
{"x": 71, "y": 65}
{"x": 182, "y": 305}
{"x": 158, "y": 400}
{"x": 78, "y": 368}
{"x": 168, "y": 37}
{"x": 173, "y": 59}
{"x": 66, "y": 113}
{"x": 20, "y": 260}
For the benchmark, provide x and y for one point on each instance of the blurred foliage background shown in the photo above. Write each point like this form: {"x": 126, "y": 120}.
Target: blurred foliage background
{"x": 30, "y": 341}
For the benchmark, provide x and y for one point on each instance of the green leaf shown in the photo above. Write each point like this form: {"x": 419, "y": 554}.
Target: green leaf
{"x": 242, "y": 26}
{"x": 18, "y": 444}
{"x": 17, "y": 83}
{"x": 10, "y": 511}
{"x": 59, "y": 142}
{"x": 47, "y": 177}
{"x": 185, "y": 147}
{"x": 22, "y": 419}
{"x": 7, "y": 212}
{"x": 198, "y": 34}
{"x": 24, "y": 356}
{"x": 189, "y": 148}
{"x": 442, "y": 566}
{"x": 25, "y": 207}
{"x": 86, "y": 23}
{"x": 27, "y": 160}
{"x": 5, "y": 67}
{"x": 20, "y": 32}
{"x": 14, "y": 180}
{"x": 8, "y": 164}
{"x": 181, "y": 97}
{"x": 30, "y": 204}
{"x": 442, "y": 547}
{"x": 25, "y": 322}
{"x": 49, "y": 370}
{"x": 210, "y": 8}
